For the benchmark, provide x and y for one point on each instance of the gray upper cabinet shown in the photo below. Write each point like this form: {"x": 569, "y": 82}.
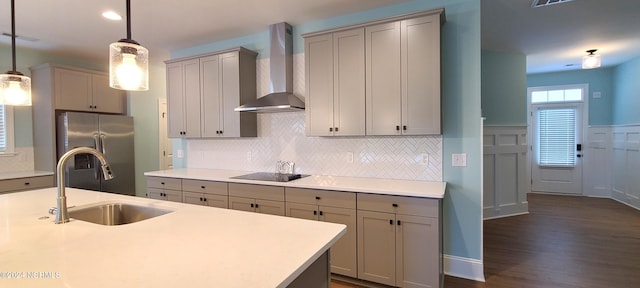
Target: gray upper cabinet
{"x": 378, "y": 78}
{"x": 203, "y": 91}
{"x": 83, "y": 90}
{"x": 335, "y": 84}
{"x": 403, "y": 77}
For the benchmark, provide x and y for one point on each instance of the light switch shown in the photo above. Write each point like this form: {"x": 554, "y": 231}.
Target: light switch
{"x": 597, "y": 95}
{"x": 180, "y": 153}
{"x": 459, "y": 160}
{"x": 349, "y": 157}
{"x": 424, "y": 159}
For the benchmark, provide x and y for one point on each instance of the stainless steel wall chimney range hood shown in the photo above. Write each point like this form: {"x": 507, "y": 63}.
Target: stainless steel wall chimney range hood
{"x": 281, "y": 67}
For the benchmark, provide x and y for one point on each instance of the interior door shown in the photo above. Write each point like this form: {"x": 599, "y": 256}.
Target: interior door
{"x": 557, "y": 141}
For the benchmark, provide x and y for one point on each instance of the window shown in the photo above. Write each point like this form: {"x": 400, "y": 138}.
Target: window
{"x": 556, "y": 96}
{"x": 6, "y": 129}
{"x": 556, "y": 137}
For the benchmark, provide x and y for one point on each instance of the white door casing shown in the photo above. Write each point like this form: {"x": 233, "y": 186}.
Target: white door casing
{"x": 164, "y": 143}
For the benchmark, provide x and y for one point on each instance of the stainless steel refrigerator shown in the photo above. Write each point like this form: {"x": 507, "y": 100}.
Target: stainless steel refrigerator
{"x": 110, "y": 134}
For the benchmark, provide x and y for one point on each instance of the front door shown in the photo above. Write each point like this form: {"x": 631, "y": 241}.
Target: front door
{"x": 556, "y": 126}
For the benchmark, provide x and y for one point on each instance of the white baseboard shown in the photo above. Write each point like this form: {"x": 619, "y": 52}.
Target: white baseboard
{"x": 503, "y": 216}
{"x": 468, "y": 268}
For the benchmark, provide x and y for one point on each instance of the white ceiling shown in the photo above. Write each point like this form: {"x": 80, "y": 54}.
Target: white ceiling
{"x": 554, "y": 36}
{"x": 76, "y": 27}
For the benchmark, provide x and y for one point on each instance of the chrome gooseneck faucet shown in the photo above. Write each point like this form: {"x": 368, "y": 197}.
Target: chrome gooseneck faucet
{"x": 62, "y": 216}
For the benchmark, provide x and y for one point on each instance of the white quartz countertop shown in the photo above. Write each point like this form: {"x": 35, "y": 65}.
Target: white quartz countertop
{"x": 23, "y": 174}
{"x": 426, "y": 189}
{"x": 193, "y": 246}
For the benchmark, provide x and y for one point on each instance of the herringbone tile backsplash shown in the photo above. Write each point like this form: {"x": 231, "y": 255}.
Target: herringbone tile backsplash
{"x": 281, "y": 137}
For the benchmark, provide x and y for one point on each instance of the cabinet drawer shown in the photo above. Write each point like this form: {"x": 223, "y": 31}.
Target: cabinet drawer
{"x": 399, "y": 204}
{"x": 29, "y": 183}
{"x": 164, "y": 183}
{"x": 208, "y": 187}
{"x": 321, "y": 197}
{"x": 256, "y": 191}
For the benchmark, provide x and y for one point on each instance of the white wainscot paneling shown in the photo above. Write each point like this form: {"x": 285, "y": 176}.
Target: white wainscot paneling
{"x": 505, "y": 176}
{"x": 597, "y": 162}
{"x": 626, "y": 164}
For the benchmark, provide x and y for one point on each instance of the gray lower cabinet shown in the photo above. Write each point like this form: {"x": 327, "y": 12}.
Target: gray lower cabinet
{"x": 257, "y": 198}
{"x": 27, "y": 183}
{"x": 333, "y": 207}
{"x": 206, "y": 193}
{"x": 399, "y": 240}
{"x": 169, "y": 189}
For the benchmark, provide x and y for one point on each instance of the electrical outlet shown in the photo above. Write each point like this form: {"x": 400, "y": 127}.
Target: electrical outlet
{"x": 349, "y": 157}
{"x": 424, "y": 159}
{"x": 180, "y": 153}
{"x": 249, "y": 156}
{"x": 459, "y": 160}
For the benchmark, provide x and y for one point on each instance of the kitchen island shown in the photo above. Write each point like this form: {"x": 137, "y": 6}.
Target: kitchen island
{"x": 192, "y": 246}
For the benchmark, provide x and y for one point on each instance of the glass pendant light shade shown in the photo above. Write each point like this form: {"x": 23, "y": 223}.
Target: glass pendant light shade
{"x": 128, "y": 66}
{"x": 591, "y": 60}
{"x": 15, "y": 89}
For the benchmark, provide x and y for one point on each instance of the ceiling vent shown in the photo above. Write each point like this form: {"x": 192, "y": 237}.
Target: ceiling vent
{"x": 543, "y": 3}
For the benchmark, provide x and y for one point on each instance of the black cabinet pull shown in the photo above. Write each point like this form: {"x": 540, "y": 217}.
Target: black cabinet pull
{"x": 394, "y": 205}
{"x": 398, "y": 222}
{"x": 317, "y": 197}
{"x": 256, "y": 205}
{"x": 204, "y": 199}
{"x": 202, "y": 187}
{"x": 404, "y": 127}
{"x": 330, "y": 129}
{"x": 200, "y": 199}
{"x": 162, "y": 183}
{"x": 221, "y": 132}
{"x": 27, "y": 183}
{"x": 397, "y": 127}
{"x": 315, "y": 212}
{"x": 391, "y": 221}
{"x": 251, "y": 205}
{"x": 336, "y": 129}
{"x": 321, "y": 213}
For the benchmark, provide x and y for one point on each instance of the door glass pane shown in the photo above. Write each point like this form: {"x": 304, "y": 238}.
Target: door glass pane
{"x": 556, "y": 95}
{"x": 538, "y": 96}
{"x": 573, "y": 95}
{"x": 556, "y": 137}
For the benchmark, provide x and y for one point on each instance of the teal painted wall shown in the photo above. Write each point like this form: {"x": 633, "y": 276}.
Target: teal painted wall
{"x": 626, "y": 90}
{"x": 460, "y": 105}
{"x": 25, "y": 58}
{"x": 599, "y": 80}
{"x": 504, "y": 88}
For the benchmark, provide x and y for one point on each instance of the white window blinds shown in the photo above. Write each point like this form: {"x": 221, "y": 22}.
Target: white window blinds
{"x": 557, "y": 140}
{"x": 3, "y": 130}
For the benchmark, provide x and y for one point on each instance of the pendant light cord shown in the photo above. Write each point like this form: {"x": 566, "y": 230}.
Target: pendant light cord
{"x": 128, "y": 19}
{"x": 13, "y": 33}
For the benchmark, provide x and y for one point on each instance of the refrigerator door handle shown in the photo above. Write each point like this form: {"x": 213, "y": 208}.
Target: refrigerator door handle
{"x": 96, "y": 145}
{"x": 102, "y": 146}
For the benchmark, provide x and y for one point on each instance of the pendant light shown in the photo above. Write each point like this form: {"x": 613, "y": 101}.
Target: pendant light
{"x": 15, "y": 88}
{"x": 591, "y": 60}
{"x": 128, "y": 62}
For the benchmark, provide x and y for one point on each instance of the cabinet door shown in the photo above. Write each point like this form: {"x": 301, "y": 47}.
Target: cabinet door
{"x": 242, "y": 204}
{"x": 219, "y": 201}
{"x": 343, "y": 253}
{"x": 211, "y": 101}
{"x": 349, "y": 83}
{"x": 193, "y": 198}
{"x": 104, "y": 98}
{"x": 376, "y": 247}
{"x": 183, "y": 98}
{"x": 155, "y": 193}
{"x": 417, "y": 252}
{"x": 270, "y": 207}
{"x": 319, "y": 85}
{"x": 420, "y": 57}
{"x": 173, "y": 195}
{"x": 302, "y": 211}
{"x": 72, "y": 90}
{"x": 175, "y": 100}
{"x": 230, "y": 93}
{"x": 383, "y": 79}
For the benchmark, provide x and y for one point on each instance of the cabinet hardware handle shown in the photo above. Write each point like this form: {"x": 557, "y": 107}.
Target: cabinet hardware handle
{"x": 221, "y": 132}
{"x": 315, "y": 212}
{"x": 252, "y": 205}
{"x": 391, "y": 221}
{"x": 200, "y": 199}
{"x": 204, "y": 199}
{"x": 317, "y": 197}
{"x": 336, "y": 129}
{"x": 162, "y": 183}
{"x": 330, "y": 129}
{"x": 26, "y": 183}
{"x": 394, "y": 205}
{"x": 256, "y": 205}
{"x": 321, "y": 213}
{"x": 202, "y": 187}
{"x": 398, "y": 222}
{"x": 397, "y": 127}
{"x": 404, "y": 127}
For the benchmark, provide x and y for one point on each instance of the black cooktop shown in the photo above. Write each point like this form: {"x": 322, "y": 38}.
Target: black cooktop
{"x": 274, "y": 177}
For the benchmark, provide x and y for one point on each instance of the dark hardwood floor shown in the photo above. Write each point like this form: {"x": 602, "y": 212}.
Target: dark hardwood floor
{"x": 564, "y": 242}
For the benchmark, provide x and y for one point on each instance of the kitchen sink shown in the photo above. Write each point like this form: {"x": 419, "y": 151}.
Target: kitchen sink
{"x": 111, "y": 214}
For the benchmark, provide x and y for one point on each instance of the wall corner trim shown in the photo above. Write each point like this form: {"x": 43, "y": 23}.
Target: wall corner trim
{"x": 468, "y": 268}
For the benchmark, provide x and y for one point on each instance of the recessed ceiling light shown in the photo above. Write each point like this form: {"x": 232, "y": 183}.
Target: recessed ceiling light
{"x": 111, "y": 15}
